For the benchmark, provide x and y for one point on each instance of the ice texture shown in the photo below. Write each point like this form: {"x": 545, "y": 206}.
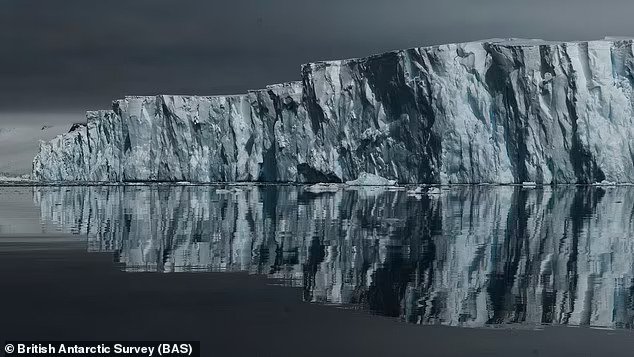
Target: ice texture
{"x": 493, "y": 111}
{"x": 63, "y": 158}
{"x": 105, "y": 145}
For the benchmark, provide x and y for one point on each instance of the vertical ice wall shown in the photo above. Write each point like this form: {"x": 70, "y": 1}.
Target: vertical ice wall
{"x": 64, "y": 158}
{"x": 496, "y": 111}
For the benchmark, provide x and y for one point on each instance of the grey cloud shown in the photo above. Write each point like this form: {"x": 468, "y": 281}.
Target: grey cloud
{"x": 79, "y": 54}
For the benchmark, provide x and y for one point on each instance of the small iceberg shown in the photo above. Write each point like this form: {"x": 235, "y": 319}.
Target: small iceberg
{"x": 367, "y": 179}
{"x": 605, "y": 183}
{"x": 16, "y": 179}
{"x": 323, "y": 187}
{"x": 434, "y": 191}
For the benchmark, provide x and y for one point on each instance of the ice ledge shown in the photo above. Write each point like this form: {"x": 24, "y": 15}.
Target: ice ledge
{"x": 511, "y": 42}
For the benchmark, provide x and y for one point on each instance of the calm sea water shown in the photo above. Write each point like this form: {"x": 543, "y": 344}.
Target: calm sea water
{"x": 460, "y": 256}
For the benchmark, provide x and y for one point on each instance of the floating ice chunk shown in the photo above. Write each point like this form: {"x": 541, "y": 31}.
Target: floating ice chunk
{"x": 417, "y": 191}
{"x": 434, "y": 191}
{"x": 323, "y": 187}
{"x": 605, "y": 183}
{"x": 367, "y": 179}
{"x": 16, "y": 179}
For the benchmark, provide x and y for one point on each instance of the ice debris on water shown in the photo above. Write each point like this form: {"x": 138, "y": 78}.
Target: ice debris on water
{"x": 367, "y": 179}
{"x": 323, "y": 187}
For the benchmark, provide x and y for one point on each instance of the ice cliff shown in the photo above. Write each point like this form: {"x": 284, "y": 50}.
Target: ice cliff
{"x": 498, "y": 111}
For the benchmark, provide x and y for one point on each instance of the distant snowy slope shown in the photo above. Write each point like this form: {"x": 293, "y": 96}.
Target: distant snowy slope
{"x": 20, "y": 142}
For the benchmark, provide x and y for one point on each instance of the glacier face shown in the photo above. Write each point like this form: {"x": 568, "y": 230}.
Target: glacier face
{"x": 64, "y": 158}
{"x": 175, "y": 138}
{"x": 104, "y": 145}
{"x": 496, "y": 111}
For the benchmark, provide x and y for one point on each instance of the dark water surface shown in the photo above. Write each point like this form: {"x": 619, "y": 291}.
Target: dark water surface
{"x": 522, "y": 259}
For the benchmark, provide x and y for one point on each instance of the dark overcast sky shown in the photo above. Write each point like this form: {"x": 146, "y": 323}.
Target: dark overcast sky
{"x": 71, "y": 55}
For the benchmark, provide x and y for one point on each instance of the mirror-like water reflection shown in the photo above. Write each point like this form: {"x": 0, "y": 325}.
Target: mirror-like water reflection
{"x": 467, "y": 256}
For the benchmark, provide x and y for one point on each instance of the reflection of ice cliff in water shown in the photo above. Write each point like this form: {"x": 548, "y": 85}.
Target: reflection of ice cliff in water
{"x": 467, "y": 256}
